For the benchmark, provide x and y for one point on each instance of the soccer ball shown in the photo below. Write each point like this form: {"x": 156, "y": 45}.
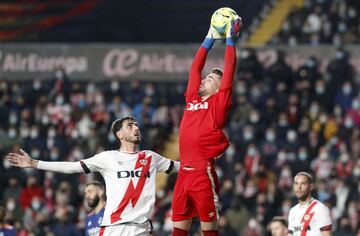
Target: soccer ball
{"x": 221, "y": 19}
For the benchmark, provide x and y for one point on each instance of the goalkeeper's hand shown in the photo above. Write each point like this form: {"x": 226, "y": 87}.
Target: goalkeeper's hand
{"x": 214, "y": 34}
{"x": 234, "y": 29}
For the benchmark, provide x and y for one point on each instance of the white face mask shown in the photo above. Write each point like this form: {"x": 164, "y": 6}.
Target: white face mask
{"x": 59, "y": 100}
{"x": 323, "y": 156}
{"x": 291, "y": 136}
{"x": 320, "y": 89}
{"x": 13, "y": 118}
{"x": 12, "y": 133}
{"x": 51, "y": 133}
{"x": 270, "y": 136}
{"x": 356, "y": 173}
{"x": 114, "y": 85}
{"x": 248, "y": 135}
{"x": 348, "y": 123}
{"x": 254, "y": 118}
{"x": 35, "y": 204}
{"x": 10, "y": 205}
{"x": 35, "y": 154}
{"x": 240, "y": 88}
{"x": 230, "y": 151}
{"x": 24, "y": 132}
{"x": 34, "y": 133}
{"x": 54, "y": 156}
{"x": 303, "y": 156}
{"x": 251, "y": 152}
{"x": 45, "y": 120}
{"x": 36, "y": 85}
{"x": 347, "y": 89}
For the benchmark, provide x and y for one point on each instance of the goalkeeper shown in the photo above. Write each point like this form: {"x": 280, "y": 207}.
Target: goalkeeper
{"x": 201, "y": 138}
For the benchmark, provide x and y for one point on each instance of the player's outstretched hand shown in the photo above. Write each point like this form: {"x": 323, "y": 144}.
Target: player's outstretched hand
{"x": 22, "y": 159}
{"x": 214, "y": 34}
{"x": 234, "y": 29}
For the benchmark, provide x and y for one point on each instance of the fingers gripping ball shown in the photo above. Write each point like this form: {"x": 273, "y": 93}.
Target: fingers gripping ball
{"x": 222, "y": 19}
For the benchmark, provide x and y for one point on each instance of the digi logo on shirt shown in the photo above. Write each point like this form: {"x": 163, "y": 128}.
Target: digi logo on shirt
{"x": 131, "y": 174}
{"x": 197, "y": 106}
{"x": 299, "y": 228}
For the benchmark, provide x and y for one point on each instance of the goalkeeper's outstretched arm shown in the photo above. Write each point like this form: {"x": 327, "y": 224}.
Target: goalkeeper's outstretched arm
{"x": 23, "y": 160}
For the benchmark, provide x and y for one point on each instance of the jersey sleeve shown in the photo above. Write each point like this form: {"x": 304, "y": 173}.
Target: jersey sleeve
{"x": 93, "y": 164}
{"x": 195, "y": 73}
{"x": 324, "y": 218}
{"x": 65, "y": 167}
{"x": 166, "y": 165}
{"x": 229, "y": 68}
{"x": 224, "y": 96}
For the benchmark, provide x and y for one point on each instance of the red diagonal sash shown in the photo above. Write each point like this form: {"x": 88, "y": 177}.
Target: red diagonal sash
{"x": 133, "y": 192}
{"x": 307, "y": 218}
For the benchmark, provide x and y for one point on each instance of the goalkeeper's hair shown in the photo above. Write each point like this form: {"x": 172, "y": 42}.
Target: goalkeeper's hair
{"x": 118, "y": 124}
{"x": 217, "y": 71}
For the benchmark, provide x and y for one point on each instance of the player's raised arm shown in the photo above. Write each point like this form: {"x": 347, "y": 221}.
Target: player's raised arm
{"x": 230, "y": 53}
{"x": 199, "y": 61}
{"x": 23, "y": 160}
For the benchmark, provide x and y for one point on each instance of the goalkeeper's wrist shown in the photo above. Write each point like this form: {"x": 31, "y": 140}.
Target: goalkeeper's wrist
{"x": 208, "y": 43}
{"x": 230, "y": 41}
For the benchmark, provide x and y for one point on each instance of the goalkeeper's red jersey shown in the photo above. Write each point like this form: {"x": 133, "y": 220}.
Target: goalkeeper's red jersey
{"x": 201, "y": 136}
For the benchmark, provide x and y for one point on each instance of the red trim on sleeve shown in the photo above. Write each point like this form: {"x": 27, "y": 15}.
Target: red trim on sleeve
{"x": 326, "y": 228}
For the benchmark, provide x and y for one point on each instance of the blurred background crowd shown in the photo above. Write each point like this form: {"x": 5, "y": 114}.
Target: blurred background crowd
{"x": 282, "y": 121}
{"x": 322, "y": 21}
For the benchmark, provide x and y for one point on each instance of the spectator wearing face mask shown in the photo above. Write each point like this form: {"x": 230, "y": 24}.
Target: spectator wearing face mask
{"x": 31, "y": 190}
{"x": 340, "y": 70}
{"x": 345, "y": 96}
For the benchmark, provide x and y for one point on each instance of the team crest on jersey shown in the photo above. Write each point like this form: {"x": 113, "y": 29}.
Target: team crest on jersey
{"x": 306, "y": 217}
{"x": 144, "y": 162}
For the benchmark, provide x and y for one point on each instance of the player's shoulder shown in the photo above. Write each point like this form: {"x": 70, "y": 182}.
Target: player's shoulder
{"x": 293, "y": 209}
{"x": 321, "y": 205}
{"x": 108, "y": 153}
{"x": 150, "y": 152}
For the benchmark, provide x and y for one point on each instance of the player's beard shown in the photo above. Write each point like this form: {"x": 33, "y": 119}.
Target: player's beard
{"x": 303, "y": 197}
{"x": 202, "y": 92}
{"x": 133, "y": 138}
{"x": 92, "y": 203}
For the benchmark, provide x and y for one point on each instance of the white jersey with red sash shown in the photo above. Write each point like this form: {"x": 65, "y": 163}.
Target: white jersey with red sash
{"x": 130, "y": 183}
{"x": 309, "y": 219}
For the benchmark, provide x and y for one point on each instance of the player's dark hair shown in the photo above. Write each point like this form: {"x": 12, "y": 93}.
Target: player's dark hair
{"x": 282, "y": 220}
{"x": 118, "y": 124}
{"x": 308, "y": 175}
{"x": 217, "y": 71}
{"x": 96, "y": 183}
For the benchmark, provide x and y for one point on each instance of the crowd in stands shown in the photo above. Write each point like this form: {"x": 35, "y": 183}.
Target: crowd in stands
{"x": 322, "y": 21}
{"x": 282, "y": 121}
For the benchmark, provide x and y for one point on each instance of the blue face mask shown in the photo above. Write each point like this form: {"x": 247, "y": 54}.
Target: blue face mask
{"x": 339, "y": 55}
{"x": 303, "y": 156}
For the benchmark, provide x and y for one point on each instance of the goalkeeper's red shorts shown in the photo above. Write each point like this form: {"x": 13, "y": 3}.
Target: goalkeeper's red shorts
{"x": 196, "y": 192}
